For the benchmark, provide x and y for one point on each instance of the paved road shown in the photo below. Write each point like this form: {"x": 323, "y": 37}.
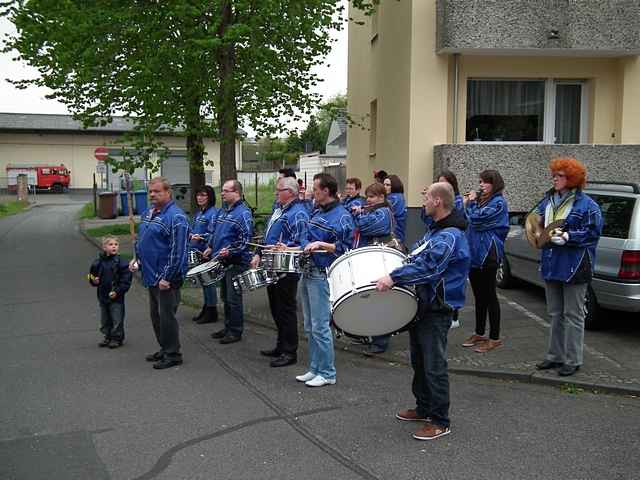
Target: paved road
{"x": 73, "y": 411}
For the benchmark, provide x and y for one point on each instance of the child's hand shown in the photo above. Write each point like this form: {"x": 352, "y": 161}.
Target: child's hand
{"x": 112, "y": 295}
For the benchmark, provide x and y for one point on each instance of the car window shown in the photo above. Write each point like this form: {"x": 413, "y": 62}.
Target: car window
{"x": 616, "y": 214}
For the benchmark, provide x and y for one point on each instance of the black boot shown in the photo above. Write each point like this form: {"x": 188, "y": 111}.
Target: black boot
{"x": 198, "y": 317}
{"x": 210, "y": 315}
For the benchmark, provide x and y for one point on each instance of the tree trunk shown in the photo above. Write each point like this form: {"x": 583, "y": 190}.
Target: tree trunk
{"x": 195, "y": 155}
{"x": 226, "y": 104}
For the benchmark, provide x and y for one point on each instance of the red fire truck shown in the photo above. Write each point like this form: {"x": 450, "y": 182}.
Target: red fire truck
{"x": 42, "y": 177}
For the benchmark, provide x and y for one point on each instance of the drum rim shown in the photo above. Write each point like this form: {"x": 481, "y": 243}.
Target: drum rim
{"x": 406, "y": 290}
{"x": 202, "y": 265}
{"x": 368, "y": 248}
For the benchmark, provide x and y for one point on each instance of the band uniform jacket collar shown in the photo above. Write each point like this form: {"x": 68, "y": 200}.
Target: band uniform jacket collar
{"x": 329, "y": 206}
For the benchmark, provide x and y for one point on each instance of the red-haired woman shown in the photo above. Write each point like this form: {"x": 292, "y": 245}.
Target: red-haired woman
{"x": 567, "y": 262}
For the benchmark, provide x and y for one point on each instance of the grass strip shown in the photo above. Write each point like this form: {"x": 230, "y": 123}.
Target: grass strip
{"x": 11, "y": 208}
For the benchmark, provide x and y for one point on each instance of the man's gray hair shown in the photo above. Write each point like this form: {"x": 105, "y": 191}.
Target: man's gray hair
{"x": 444, "y": 191}
{"x": 289, "y": 183}
{"x": 163, "y": 180}
{"x": 237, "y": 186}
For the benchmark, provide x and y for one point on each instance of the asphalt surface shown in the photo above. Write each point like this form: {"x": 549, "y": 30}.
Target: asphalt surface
{"x": 73, "y": 411}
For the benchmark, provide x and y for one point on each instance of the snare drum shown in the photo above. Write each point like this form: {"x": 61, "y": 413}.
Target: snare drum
{"x": 358, "y": 309}
{"x": 253, "y": 279}
{"x": 207, "y": 273}
{"x": 285, "y": 261}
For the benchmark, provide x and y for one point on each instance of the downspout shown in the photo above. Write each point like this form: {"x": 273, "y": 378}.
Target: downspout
{"x": 456, "y": 86}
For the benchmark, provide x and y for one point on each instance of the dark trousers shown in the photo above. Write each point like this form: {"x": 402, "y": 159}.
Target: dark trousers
{"x": 483, "y": 284}
{"x": 233, "y": 314}
{"x": 163, "y": 305}
{"x": 428, "y": 341}
{"x": 112, "y": 320}
{"x": 283, "y": 305}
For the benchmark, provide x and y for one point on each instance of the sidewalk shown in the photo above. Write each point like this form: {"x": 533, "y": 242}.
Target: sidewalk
{"x": 525, "y": 337}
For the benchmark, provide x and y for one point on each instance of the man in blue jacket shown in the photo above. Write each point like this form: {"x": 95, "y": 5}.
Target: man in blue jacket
{"x": 233, "y": 229}
{"x": 161, "y": 250}
{"x": 438, "y": 266}
{"x": 286, "y": 228}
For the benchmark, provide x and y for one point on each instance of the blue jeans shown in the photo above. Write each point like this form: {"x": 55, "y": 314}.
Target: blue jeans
{"x": 233, "y": 314}
{"x": 210, "y": 295}
{"x": 314, "y": 294}
{"x": 428, "y": 340}
{"x": 112, "y": 320}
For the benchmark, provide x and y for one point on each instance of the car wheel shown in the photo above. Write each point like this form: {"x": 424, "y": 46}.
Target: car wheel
{"x": 503, "y": 275}
{"x": 593, "y": 317}
{"x": 57, "y": 188}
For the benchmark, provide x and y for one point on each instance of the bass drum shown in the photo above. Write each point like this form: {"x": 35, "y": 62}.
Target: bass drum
{"x": 358, "y": 309}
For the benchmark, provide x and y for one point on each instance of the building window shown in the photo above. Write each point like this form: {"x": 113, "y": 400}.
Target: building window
{"x": 373, "y": 126}
{"x": 545, "y": 111}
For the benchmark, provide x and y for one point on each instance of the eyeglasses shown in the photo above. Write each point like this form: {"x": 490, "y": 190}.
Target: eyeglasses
{"x": 281, "y": 189}
{"x": 227, "y": 191}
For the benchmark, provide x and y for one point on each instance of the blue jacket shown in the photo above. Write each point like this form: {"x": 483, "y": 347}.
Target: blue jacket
{"x": 348, "y": 202}
{"x": 459, "y": 205}
{"x": 399, "y": 209}
{"x": 438, "y": 265}
{"x": 488, "y": 227}
{"x": 114, "y": 276}
{"x": 201, "y": 226}
{"x": 373, "y": 224}
{"x": 232, "y": 229}
{"x": 289, "y": 225}
{"x": 330, "y": 224}
{"x": 574, "y": 261}
{"x": 161, "y": 246}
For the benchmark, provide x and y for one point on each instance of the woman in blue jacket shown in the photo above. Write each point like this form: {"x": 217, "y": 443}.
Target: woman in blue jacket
{"x": 200, "y": 232}
{"x": 488, "y": 216}
{"x": 567, "y": 262}
{"x": 395, "y": 199}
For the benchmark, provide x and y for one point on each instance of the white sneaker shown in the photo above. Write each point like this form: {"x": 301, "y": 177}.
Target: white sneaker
{"x": 320, "y": 381}
{"x": 306, "y": 377}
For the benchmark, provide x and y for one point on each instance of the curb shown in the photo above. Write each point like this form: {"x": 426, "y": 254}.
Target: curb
{"x": 493, "y": 373}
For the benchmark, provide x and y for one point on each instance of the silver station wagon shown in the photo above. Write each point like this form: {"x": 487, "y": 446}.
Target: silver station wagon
{"x": 616, "y": 282}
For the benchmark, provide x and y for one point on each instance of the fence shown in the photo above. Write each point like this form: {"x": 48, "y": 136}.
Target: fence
{"x": 10, "y": 194}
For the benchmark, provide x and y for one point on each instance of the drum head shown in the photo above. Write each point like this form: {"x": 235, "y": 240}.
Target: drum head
{"x": 367, "y": 312}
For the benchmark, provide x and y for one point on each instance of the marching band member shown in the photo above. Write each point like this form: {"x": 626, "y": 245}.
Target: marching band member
{"x": 488, "y": 216}
{"x": 374, "y": 223}
{"x": 567, "y": 262}
{"x": 233, "y": 229}
{"x": 352, "y": 196}
{"x": 287, "y": 226}
{"x": 205, "y": 216}
{"x": 161, "y": 252}
{"x": 438, "y": 267}
{"x": 395, "y": 197}
{"x": 330, "y": 229}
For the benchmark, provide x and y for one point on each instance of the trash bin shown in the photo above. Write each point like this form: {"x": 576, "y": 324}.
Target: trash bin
{"x": 107, "y": 205}
{"x": 141, "y": 204}
{"x": 124, "y": 203}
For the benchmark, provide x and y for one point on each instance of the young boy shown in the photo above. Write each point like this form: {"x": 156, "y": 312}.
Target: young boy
{"x": 112, "y": 277}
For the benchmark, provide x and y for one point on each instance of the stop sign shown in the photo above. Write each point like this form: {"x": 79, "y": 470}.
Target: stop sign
{"x": 101, "y": 153}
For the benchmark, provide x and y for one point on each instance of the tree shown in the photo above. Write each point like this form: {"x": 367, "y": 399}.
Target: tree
{"x": 197, "y": 67}
{"x": 311, "y": 138}
{"x": 328, "y": 112}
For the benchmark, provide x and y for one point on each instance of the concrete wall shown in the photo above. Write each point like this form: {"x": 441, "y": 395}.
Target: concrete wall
{"x": 76, "y": 152}
{"x": 525, "y": 167}
{"x": 588, "y": 26}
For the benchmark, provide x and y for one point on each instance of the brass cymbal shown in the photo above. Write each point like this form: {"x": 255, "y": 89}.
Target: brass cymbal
{"x": 537, "y": 235}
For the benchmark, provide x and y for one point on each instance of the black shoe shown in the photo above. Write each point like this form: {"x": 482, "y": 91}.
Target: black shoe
{"x": 548, "y": 365}
{"x": 210, "y": 316}
{"x": 229, "y": 339}
{"x": 104, "y": 343}
{"x": 274, "y": 352}
{"x": 167, "y": 362}
{"x": 284, "y": 360}
{"x": 115, "y": 344}
{"x": 568, "y": 370}
{"x": 219, "y": 334}
{"x": 154, "y": 357}
{"x": 200, "y": 315}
